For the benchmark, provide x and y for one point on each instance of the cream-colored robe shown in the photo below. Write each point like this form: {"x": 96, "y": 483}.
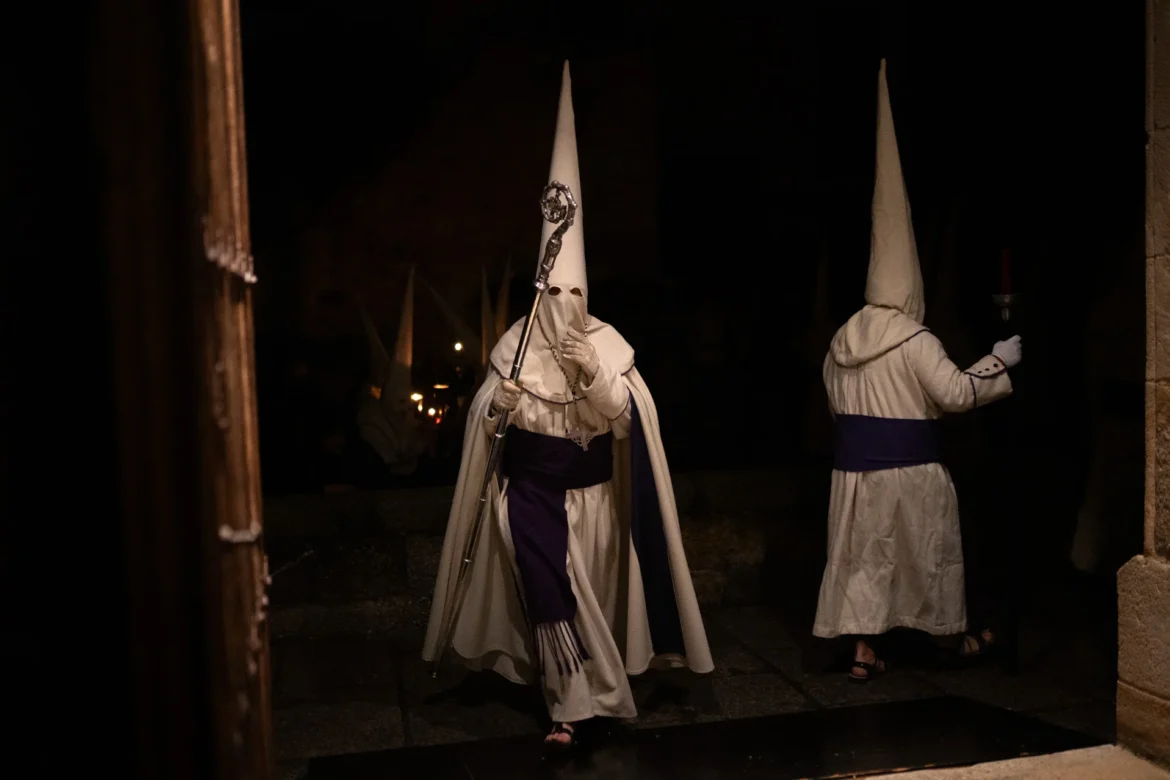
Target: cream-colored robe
{"x": 895, "y": 552}
{"x": 603, "y": 566}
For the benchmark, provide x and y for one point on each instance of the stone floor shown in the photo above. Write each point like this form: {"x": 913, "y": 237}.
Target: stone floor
{"x": 836, "y": 742}
{"x": 1095, "y": 763}
{"x": 356, "y": 695}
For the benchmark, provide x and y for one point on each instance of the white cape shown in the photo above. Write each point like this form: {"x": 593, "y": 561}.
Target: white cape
{"x": 491, "y": 632}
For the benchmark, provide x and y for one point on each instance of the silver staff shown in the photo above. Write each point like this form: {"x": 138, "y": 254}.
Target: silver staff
{"x": 553, "y": 211}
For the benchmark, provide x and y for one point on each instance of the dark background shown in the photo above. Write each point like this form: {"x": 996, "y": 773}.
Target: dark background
{"x": 727, "y": 169}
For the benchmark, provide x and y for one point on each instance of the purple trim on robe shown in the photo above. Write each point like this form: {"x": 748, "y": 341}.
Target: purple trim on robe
{"x": 649, "y": 540}
{"x": 867, "y": 443}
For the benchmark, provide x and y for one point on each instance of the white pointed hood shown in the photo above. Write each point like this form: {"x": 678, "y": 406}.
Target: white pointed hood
{"x": 893, "y": 287}
{"x": 565, "y": 305}
{"x": 380, "y": 361}
{"x": 386, "y": 423}
{"x": 895, "y": 278}
{"x": 396, "y": 390}
{"x": 561, "y": 308}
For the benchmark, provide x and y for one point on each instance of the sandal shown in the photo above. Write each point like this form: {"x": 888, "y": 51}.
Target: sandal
{"x": 984, "y": 650}
{"x": 876, "y": 669}
{"x": 556, "y": 744}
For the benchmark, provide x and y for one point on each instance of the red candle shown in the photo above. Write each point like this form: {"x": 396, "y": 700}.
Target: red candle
{"x": 1005, "y": 272}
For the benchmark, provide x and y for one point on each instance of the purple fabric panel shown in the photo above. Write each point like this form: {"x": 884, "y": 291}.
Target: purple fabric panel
{"x": 540, "y": 469}
{"x": 540, "y": 535}
{"x": 867, "y": 443}
{"x": 555, "y": 462}
{"x": 649, "y": 539}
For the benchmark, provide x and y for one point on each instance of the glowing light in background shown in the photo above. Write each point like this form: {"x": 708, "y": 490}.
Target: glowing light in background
{"x": 431, "y": 412}
{"x": 420, "y": 406}
{"x": 441, "y": 387}
{"x": 458, "y": 346}
{"x": 416, "y": 396}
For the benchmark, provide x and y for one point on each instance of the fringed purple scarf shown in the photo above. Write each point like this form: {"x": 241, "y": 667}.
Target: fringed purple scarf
{"x": 540, "y": 470}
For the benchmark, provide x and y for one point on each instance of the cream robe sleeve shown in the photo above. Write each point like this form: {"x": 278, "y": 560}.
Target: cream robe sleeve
{"x": 608, "y": 394}
{"x": 952, "y": 389}
{"x": 490, "y": 418}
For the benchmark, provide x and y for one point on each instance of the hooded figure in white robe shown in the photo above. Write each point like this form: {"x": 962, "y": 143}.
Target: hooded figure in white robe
{"x": 579, "y": 577}
{"x": 895, "y": 556}
{"x": 385, "y": 414}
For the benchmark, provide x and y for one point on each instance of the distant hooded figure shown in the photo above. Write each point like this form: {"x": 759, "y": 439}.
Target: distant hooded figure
{"x": 895, "y": 556}
{"x": 579, "y": 577}
{"x": 385, "y": 414}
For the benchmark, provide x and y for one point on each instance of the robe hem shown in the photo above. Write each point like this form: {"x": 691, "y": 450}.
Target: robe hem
{"x": 673, "y": 661}
{"x": 480, "y": 663}
{"x": 874, "y": 629}
{"x": 483, "y": 662}
{"x": 619, "y": 713}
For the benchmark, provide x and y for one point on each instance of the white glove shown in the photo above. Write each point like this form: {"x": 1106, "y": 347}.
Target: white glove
{"x": 1010, "y": 351}
{"x": 506, "y": 396}
{"x": 576, "y": 347}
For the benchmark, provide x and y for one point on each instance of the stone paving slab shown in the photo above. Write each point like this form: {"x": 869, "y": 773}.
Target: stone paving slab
{"x": 1100, "y": 763}
{"x": 309, "y": 730}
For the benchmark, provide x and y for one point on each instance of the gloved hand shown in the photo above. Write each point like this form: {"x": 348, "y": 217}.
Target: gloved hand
{"x": 506, "y": 396}
{"x": 1010, "y": 351}
{"x": 577, "y": 348}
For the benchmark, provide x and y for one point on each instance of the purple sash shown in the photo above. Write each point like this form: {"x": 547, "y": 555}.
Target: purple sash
{"x": 867, "y": 443}
{"x": 540, "y": 469}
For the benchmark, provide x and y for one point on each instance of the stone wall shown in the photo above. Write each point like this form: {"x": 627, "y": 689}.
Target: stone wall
{"x": 1143, "y": 689}
{"x": 363, "y": 563}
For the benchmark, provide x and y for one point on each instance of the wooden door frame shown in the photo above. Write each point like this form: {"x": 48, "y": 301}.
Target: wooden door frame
{"x": 165, "y": 99}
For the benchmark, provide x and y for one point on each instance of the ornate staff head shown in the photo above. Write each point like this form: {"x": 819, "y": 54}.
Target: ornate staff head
{"x": 554, "y": 211}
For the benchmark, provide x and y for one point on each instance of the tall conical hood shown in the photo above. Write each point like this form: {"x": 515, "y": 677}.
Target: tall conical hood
{"x": 895, "y": 278}
{"x": 463, "y": 333}
{"x": 380, "y": 361}
{"x": 397, "y": 389}
{"x": 569, "y": 270}
{"x": 564, "y": 308}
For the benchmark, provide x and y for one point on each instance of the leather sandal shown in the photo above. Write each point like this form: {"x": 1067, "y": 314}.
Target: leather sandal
{"x": 876, "y": 669}
{"x": 556, "y": 744}
{"x": 984, "y": 651}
